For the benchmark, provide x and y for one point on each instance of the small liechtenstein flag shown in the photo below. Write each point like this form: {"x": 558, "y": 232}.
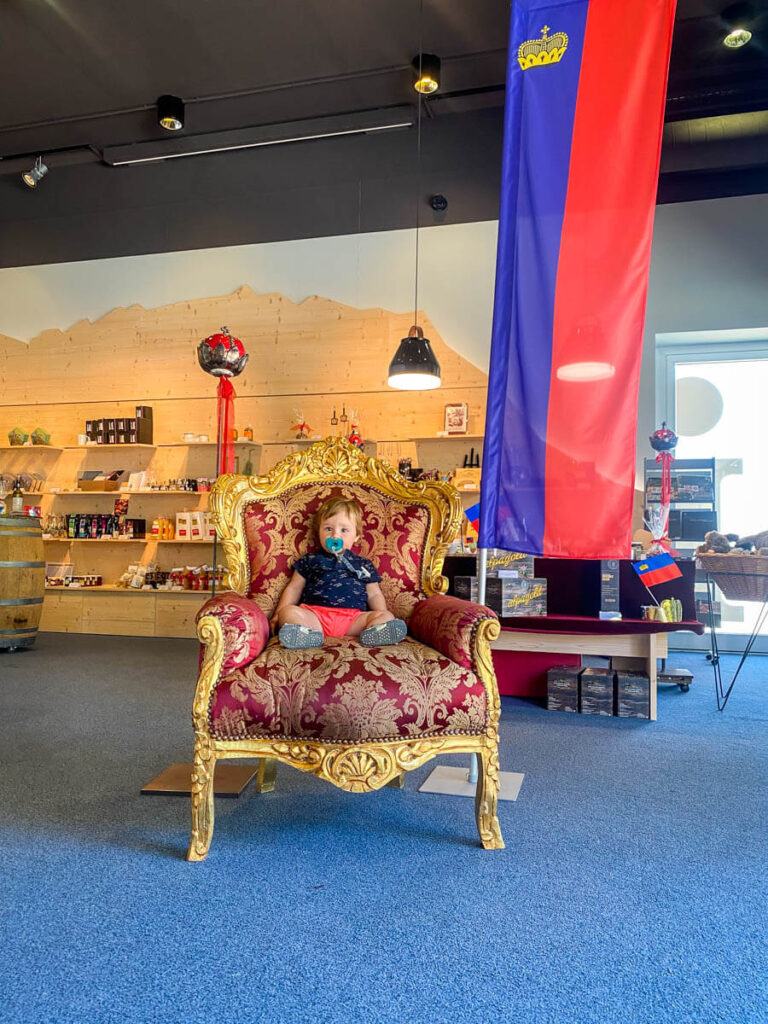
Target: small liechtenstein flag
{"x": 658, "y": 569}
{"x": 473, "y": 514}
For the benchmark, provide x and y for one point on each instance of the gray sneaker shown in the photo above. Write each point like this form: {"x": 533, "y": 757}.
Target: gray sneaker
{"x": 384, "y": 634}
{"x": 297, "y": 637}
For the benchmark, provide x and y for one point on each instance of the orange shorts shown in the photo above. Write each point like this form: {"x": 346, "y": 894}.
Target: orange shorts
{"x": 333, "y": 621}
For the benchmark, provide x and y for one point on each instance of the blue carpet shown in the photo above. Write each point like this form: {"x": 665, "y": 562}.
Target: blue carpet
{"x": 632, "y": 888}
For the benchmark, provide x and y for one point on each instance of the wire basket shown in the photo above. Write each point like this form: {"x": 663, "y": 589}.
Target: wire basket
{"x": 739, "y": 577}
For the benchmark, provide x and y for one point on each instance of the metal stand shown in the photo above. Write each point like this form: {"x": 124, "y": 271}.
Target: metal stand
{"x": 463, "y": 781}
{"x": 714, "y": 655}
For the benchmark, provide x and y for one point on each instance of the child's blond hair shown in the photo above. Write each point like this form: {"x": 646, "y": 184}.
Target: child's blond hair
{"x": 333, "y": 505}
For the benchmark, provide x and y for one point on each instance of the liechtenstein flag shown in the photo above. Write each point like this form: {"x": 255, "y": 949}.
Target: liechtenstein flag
{"x": 584, "y": 113}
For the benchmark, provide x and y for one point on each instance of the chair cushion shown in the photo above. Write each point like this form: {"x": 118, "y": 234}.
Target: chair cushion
{"x": 344, "y": 692}
{"x": 278, "y": 530}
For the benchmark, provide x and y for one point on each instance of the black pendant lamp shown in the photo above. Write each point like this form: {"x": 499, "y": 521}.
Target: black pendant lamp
{"x": 415, "y": 366}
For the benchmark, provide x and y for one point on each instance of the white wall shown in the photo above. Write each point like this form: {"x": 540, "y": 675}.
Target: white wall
{"x": 456, "y": 270}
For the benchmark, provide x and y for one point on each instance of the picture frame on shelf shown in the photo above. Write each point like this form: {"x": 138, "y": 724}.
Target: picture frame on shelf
{"x": 456, "y": 418}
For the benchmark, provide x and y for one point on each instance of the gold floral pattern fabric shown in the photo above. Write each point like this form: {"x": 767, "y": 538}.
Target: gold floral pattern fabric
{"x": 279, "y": 530}
{"x": 448, "y": 624}
{"x": 344, "y": 692}
{"x": 244, "y": 624}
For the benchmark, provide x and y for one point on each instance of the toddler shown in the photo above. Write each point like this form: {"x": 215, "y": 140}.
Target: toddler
{"x": 336, "y": 588}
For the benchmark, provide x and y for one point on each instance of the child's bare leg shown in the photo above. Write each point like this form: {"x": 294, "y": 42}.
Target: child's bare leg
{"x": 300, "y": 616}
{"x": 366, "y": 619}
{"x": 299, "y": 628}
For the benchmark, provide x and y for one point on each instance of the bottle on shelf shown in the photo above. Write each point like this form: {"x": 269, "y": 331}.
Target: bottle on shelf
{"x": 17, "y": 498}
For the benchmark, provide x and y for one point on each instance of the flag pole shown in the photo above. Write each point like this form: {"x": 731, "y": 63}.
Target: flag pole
{"x": 482, "y": 575}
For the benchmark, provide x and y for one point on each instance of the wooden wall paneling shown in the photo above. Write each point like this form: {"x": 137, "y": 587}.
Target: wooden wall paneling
{"x": 119, "y": 614}
{"x": 175, "y": 613}
{"x": 306, "y": 357}
{"x": 62, "y": 613}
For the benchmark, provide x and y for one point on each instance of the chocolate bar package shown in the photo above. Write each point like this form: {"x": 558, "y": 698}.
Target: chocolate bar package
{"x": 596, "y": 691}
{"x": 633, "y": 695}
{"x": 508, "y": 564}
{"x": 563, "y": 688}
{"x": 507, "y": 597}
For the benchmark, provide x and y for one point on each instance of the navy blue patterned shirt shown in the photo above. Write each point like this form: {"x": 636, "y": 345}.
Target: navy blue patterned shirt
{"x": 333, "y": 583}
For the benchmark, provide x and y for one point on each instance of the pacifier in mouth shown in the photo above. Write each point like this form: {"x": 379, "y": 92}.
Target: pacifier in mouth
{"x": 334, "y": 544}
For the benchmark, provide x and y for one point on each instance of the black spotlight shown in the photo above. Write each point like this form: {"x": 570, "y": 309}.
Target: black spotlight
{"x": 427, "y": 68}
{"x": 438, "y": 203}
{"x": 737, "y": 18}
{"x": 35, "y": 174}
{"x": 170, "y": 113}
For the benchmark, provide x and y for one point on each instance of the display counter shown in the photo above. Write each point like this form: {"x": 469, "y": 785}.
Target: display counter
{"x": 529, "y": 645}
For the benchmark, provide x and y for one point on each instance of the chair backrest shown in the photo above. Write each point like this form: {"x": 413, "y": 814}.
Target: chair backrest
{"x": 266, "y": 523}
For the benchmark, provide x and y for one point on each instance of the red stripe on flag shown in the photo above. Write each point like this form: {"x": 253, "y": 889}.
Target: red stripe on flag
{"x": 603, "y": 276}
{"x": 661, "y": 575}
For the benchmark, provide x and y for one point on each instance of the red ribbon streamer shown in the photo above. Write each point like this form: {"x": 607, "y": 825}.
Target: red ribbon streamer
{"x": 225, "y": 421}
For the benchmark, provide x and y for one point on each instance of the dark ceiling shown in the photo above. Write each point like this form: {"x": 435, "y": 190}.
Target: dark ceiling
{"x": 78, "y": 77}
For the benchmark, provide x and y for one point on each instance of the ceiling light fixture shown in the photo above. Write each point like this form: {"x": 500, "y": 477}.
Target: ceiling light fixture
{"x": 170, "y": 113}
{"x": 415, "y": 366}
{"x": 427, "y": 68}
{"x": 737, "y": 18}
{"x": 358, "y": 123}
{"x": 37, "y": 173}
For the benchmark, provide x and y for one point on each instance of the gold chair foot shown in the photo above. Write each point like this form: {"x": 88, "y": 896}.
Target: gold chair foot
{"x": 491, "y": 839}
{"x": 486, "y": 799}
{"x": 398, "y": 782}
{"x": 265, "y": 780}
{"x": 198, "y": 851}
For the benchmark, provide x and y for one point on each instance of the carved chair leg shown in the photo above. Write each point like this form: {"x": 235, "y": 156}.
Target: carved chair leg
{"x": 398, "y": 782}
{"x": 202, "y": 801}
{"x": 486, "y": 799}
{"x": 265, "y": 780}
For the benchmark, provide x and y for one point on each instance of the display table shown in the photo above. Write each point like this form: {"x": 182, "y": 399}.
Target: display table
{"x": 579, "y": 635}
{"x": 529, "y": 645}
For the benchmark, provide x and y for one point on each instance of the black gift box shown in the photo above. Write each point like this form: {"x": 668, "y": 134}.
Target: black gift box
{"x": 633, "y": 695}
{"x": 563, "y": 688}
{"x": 136, "y": 527}
{"x": 596, "y": 691}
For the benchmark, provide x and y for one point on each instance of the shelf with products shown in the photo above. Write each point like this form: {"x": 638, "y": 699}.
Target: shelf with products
{"x": 693, "y": 504}
{"x": 114, "y": 589}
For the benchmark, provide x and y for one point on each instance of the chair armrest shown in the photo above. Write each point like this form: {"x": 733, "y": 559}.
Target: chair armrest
{"x": 244, "y": 626}
{"x": 450, "y": 625}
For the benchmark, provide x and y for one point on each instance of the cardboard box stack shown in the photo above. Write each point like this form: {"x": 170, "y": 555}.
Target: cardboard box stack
{"x": 598, "y": 691}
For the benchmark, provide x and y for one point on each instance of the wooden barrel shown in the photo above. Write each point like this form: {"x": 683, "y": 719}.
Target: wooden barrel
{"x": 22, "y": 580}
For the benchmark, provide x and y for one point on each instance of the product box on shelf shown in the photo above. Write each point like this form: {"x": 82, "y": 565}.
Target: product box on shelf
{"x": 508, "y": 564}
{"x": 182, "y": 526}
{"x": 596, "y": 691}
{"x": 563, "y": 688}
{"x": 136, "y": 528}
{"x": 507, "y": 597}
{"x": 143, "y": 424}
{"x": 633, "y": 694}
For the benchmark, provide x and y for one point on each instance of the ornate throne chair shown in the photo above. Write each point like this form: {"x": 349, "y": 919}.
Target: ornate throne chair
{"x": 356, "y": 716}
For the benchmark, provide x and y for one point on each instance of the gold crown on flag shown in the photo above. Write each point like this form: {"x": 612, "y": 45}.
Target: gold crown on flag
{"x": 534, "y": 53}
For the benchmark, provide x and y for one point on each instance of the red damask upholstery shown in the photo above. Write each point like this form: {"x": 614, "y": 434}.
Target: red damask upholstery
{"x": 279, "y": 530}
{"x": 344, "y": 692}
{"x": 448, "y": 624}
{"x": 245, "y": 627}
